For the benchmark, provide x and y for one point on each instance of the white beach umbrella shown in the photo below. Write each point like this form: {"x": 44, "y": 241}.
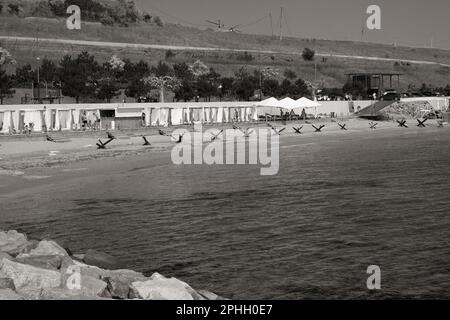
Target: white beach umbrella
{"x": 268, "y": 106}
{"x": 307, "y": 103}
{"x": 271, "y": 102}
{"x": 288, "y": 103}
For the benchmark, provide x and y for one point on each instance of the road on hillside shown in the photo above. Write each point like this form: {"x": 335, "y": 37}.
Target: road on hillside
{"x": 188, "y": 48}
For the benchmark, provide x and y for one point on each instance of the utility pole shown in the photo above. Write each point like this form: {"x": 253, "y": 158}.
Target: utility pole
{"x": 260, "y": 76}
{"x": 271, "y": 24}
{"x": 281, "y": 24}
{"x": 315, "y": 71}
{"x": 38, "y": 80}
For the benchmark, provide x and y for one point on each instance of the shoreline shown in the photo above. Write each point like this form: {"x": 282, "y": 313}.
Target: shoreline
{"x": 23, "y": 152}
{"x": 44, "y": 270}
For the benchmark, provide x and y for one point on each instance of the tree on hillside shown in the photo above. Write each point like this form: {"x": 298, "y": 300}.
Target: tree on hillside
{"x": 301, "y": 89}
{"x": 182, "y": 71}
{"x": 356, "y": 90}
{"x": 6, "y": 81}
{"x": 290, "y": 74}
{"x": 136, "y": 70}
{"x": 57, "y": 7}
{"x": 162, "y": 69}
{"x": 5, "y": 57}
{"x": 6, "y": 85}
{"x": 447, "y": 90}
{"x": 287, "y": 88}
{"x": 186, "y": 91}
{"x": 108, "y": 83}
{"x": 47, "y": 71}
{"x": 25, "y": 76}
{"x": 308, "y": 54}
{"x": 198, "y": 68}
{"x": 162, "y": 78}
{"x": 244, "y": 85}
{"x": 162, "y": 84}
{"x": 426, "y": 90}
{"x": 226, "y": 87}
{"x": 271, "y": 87}
{"x": 78, "y": 76}
{"x": 14, "y": 8}
{"x": 132, "y": 76}
{"x": 208, "y": 84}
{"x": 137, "y": 89}
{"x": 268, "y": 73}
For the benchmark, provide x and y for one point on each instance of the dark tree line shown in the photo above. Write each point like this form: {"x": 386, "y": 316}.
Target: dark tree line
{"x": 85, "y": 79}
{"x": 113, "y": 12}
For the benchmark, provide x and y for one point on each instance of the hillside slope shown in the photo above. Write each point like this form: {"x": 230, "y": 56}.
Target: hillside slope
{"x": 342, "y": 56}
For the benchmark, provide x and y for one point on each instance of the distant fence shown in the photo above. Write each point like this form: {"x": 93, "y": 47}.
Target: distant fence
{"x": 438, "y": 103}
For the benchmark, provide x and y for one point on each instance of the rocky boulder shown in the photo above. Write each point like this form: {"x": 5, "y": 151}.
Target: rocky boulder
{"x": 84, "y": 269}
{"x": 101, "y": 260}
{"x": 119, "y": 282}
{"x": 28, "y": 276}
{"x": 46, "y": 248}
{"x": 47, "y": 262}
{"x": 82, "y": 284}
{"x": 8, "y": 294}
{"x": 12, "y": 242}
{"x": 7, "y": 283}
{"x": 65, "y": 294}
{"x": 31, "y": 244}
{"x": 4, "y": 255}
{"x": 162, "y": 288}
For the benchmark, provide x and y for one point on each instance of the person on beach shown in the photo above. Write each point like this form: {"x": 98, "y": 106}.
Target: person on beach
{"x": 143, "y": 119}
{"x": 30, "y": 127}
{"x": 97, "y": 121}
{"x": 303, "y": 116}
{"x": 84, "y": 120}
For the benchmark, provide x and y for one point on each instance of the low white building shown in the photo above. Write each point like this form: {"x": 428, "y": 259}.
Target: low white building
{"x": 56, "y": 117}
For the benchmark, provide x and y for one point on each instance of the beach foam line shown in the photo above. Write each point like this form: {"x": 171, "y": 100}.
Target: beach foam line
{"x": 13, "y": 173}
{"x": 74, "y": 170}
{"x": 31, "y": 177}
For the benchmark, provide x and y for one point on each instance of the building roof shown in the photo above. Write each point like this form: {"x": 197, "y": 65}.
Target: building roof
{"x": 374, "y": 74}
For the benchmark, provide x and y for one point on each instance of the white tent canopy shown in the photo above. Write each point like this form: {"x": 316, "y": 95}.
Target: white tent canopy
{"x": 288, "y": 103}
{"x": 271, "y": 102}
{"x": 306, "y": 103}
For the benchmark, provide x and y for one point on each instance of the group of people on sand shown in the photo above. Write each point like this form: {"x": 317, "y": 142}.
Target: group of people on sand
{"x": 91, "y": 123}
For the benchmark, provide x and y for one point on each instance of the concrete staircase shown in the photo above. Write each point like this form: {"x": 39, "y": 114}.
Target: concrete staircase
{"x": 374, "y": 109}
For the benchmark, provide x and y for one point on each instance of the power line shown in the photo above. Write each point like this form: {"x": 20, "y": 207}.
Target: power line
{"x": 254, "y": 22}
{"x": 271, "y": 24}
{"x": 281, "y": 23}
{"x": 175, "y": 17}
{"x": 287, "y": 25}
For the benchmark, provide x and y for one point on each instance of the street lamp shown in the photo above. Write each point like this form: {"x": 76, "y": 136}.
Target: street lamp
{"x": 38, "y": 79}
{"x": 220, "y": 91}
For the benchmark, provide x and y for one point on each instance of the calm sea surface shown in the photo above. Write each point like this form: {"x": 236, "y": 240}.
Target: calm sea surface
{"x": 339, "y": 204}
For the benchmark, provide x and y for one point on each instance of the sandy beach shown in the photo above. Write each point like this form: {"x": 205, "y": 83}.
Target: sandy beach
{"x": 21, "y": 152}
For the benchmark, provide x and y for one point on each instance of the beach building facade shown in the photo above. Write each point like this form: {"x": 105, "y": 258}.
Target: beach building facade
{"x": 110, "y": 116}
{"x": 58, "y": 117}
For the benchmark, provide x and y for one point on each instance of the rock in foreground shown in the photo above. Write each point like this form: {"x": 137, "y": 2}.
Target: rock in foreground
{"x": 43, "y": 270}
{"x": 12, "y": 242}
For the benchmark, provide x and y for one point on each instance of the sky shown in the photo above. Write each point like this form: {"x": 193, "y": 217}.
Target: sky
{"x": 416, "y": 23}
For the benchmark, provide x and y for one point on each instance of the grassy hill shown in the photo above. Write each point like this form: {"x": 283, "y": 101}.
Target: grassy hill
{"x": 330, "y": 72}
